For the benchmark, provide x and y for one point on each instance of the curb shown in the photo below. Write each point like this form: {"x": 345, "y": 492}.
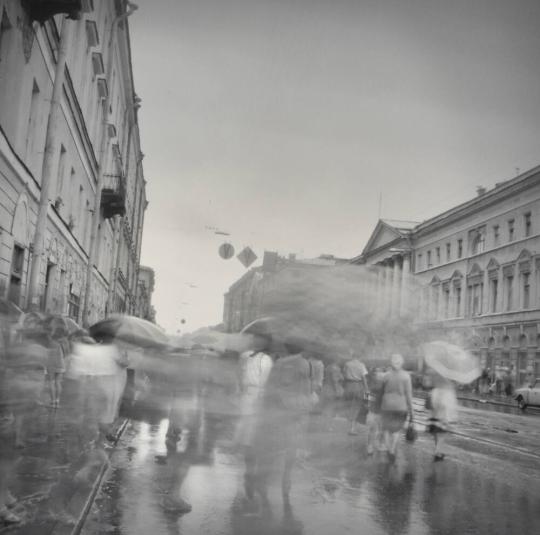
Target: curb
{"x": 97, "y": 483}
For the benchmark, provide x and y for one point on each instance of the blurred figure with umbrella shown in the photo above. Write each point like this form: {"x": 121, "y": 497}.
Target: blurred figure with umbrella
{"x": 253, "y": 371}
{"x": 446, "y": 363}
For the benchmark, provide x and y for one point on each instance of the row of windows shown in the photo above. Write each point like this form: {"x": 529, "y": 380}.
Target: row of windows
{"x": 477, "y": 242}
{"x": 503, "y": 296}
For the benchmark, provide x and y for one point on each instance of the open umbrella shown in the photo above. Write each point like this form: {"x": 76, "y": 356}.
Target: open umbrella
{"x": 10, "y": 310}
{"x": 64, "y": 322}
{"x": 130, "y": 329}
{"x": 452, "y": 362}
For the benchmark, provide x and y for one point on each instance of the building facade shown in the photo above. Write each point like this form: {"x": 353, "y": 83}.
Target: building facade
{"x": 470, "y": 274}
{"x": 250, "y": 297}
{"x": 72, "y": 188}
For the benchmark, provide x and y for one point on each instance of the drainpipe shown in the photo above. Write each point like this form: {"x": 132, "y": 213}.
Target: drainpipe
{"x": 92, "y": 253}
{"x": 51, "y": 150}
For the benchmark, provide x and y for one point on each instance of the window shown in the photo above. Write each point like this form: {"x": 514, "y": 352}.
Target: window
{"x": 61, "y": 172}
{"x": 438, "y": 253}
{"x": 509, "y": 281}
{"x": 496, "y": 235}
{"x": 446, "y": 294}
{"x": 32, "y": 121}
{"x": 477, "y": 240}
{"x": 457, "y": 292}
{"x": 5, "y": 25}
{"x": 494, "y": 294}
{"x": 510, "y": 230}
{"x": 419, "y": 261}
{"x": 459, "y": 248}
{"x": 448, "y": 252}
{"x": 429, "y": 259}
{"x": 526, "y": 285}
{"x": 15, "y": 279}
{"x": 527, "y": 223}
{"x": 73, "y": 304}
{"x": 475, "y": 299}
{"x": 435, "y": 294}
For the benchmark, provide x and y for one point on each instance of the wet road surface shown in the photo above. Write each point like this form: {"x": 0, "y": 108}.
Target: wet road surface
{"x": 336, "y": 488}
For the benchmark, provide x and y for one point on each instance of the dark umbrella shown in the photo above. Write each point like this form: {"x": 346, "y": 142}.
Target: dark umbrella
{"x": 130, "y": 329}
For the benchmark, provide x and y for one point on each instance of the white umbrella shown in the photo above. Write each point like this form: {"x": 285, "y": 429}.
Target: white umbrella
{"x": 452, "y": 362}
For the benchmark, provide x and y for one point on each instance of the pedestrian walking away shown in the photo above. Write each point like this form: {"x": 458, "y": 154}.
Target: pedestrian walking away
{"x": 396, "y": 404}
{"x": 355, "y": 389}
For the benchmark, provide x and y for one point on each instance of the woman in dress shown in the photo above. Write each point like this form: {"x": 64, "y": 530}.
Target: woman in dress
{"x": 442, "y": 403}
{"x": 396, "y": 404}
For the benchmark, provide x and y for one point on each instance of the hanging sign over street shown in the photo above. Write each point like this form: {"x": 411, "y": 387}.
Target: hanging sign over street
{"x": 226, "y": 251}
{"x": 247, "y": 256}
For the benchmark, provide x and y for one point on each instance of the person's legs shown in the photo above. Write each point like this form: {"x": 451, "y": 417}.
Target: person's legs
{"x": 286, "y": 481}
{"x": 250, "y": 474}
{"x": 58, "y": 387}
{"x": 439, "y": 441}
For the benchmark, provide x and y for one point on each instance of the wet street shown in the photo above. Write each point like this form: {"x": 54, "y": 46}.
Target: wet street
{"x": 488, "y": 483}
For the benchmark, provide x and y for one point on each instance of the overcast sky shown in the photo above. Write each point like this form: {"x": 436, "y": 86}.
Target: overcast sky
{"x": 283, "y": 121}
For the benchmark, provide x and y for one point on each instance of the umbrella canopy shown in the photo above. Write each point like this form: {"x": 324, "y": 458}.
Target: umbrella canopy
{"x": 64, "y": 322}
{"x": 10, "y": 310}
{"x": 452, "y": 362}
{"x": 130, "y": 329}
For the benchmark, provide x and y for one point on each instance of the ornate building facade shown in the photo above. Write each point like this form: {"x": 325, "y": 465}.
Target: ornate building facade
{"x": 470, "y": 274}
{"x": 72, "y": 188}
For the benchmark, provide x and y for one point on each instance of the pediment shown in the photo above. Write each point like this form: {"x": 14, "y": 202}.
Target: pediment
{"x": 475, "y": 270}
{"x": 493, "y": 265}
{"x": 524, "y": 255}
{"x": 457, "y": 274}
{"x": 382, "y": 235}
{"x": 435, "y": 280}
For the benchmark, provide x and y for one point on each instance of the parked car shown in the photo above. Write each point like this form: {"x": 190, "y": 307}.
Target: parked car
{"x": 528, "y": 395}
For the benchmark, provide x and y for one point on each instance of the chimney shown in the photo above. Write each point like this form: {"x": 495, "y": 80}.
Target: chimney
{"x": 480, "y": 190}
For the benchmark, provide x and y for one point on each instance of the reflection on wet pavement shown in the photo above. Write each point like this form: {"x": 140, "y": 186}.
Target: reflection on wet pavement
{"x": 336, "y": 488}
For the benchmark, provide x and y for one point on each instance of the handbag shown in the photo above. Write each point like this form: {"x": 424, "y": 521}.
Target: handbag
{"x": 411, "y": 434}
{"x": 363, "y": 410}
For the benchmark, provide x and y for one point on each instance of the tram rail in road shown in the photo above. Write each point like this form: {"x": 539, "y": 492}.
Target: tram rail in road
{"x": 420, "y": 419}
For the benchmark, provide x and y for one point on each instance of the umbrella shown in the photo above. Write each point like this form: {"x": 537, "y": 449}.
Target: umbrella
{"x": 64, "y": 322}
{"x": 452, "y": 362}
{"x": 267, "y": 326}
{"x": 130, "y": 329}
{"x": 9, "y": 309}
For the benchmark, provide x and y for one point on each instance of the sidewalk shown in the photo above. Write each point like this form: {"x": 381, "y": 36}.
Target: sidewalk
{"x": 51, "y": 489}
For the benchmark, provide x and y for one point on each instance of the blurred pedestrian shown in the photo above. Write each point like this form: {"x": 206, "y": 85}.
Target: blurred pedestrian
{"x": 332, "y": 388}
{"x": 396, "y": 404}
{"x": 56, "y": 364}
{"x": 286, "y": 411}
{"x": 355, "y": 389}
{"x": 375, "y": 440}
{"x": 254, "y": 368}
{"x": 26, "y": 366}
{"x": 442, "y": 404}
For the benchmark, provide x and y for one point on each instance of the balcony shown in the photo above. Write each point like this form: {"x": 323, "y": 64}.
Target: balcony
{"x": 42, "y": 10}
{"x": 113, "y": 196}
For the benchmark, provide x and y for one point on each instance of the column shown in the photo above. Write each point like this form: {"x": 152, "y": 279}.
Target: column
{"x": 396, "y": 290}
{"x": 388, "y": 290}
{"x": 405, "y": 281}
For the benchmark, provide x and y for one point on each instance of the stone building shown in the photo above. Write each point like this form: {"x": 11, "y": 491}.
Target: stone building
{"x": 248, "y": 298}
{"x": 470, "y": 274}
{"x": 72, "y": 188}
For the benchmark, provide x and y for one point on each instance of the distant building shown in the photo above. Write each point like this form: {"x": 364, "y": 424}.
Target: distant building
{"x": 84, "y": 148}
{"x": 145, "y": 309}
{"x": 470, "y": 274}
{"x": 245, "y": 301}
